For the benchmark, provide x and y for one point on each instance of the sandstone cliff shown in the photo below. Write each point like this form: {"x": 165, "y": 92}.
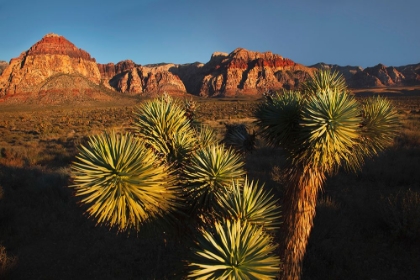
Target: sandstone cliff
{"x": 3, "y": 65}
{"x": 54, "y": 69}
{"x": 377, "y": 76}
{"x": 241, "y": 72}
{"x": 147, "y": 80}
{"x": 50, "y": 56}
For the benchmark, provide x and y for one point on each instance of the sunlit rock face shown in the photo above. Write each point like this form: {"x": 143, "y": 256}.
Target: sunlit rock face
{"x": 241, "y": 72}
{"x": 52, "y": 55}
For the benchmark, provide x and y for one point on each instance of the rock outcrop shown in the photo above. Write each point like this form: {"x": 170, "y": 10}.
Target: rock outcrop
{"x": 147, "y": 80}
{"x": 3, "y": 65}
{"x": 411, "y": 73}
{"x": 377, "y": 76}
{"x": 52, "y": 55}
{"x": 54, "y": 69}
{"x": 241, "y": 72}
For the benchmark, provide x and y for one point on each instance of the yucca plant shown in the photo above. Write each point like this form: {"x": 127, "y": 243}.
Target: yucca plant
{"x": 206, "y": 136}
{"x": 162, "y": 123}
{"x": 238, "y": 137}
{"x": 234, "y": 250}
{"x": 209, "y": 175}
{"x": 122, "y": 182}
{"x": 321, "y": 131}
{"x": 324, "y": 80}
{"x": 278, "y": 118}
{"x": 249, "y": 202}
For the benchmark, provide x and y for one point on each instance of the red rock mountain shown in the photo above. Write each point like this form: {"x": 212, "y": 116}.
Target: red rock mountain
{"x": 241, "y": 72}
{"x": 55, "y": 70}
{"x": 32, "y": 73}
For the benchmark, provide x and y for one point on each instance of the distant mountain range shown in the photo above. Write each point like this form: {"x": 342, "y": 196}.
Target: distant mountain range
{"x": 55, "y": 70}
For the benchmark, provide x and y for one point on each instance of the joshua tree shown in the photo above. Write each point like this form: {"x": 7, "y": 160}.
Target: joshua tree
{"x": 321, "y": 129}
{"x": 128, "y": 180}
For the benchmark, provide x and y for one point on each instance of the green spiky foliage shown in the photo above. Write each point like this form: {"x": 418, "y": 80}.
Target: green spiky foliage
{"x": 330, "y": 132}
{"x": 122, "y": 182}
{"x": 190, "y": 107}
{"x": 278, "y": 118}
{"x": 324, "y": 80}
{"x": 209, "y": 175}
{"x": 251, "y": 203}
{"x": 380, "y": 124}
{"x": 238, "y": 137}
{"x": 206, "y": 136}
{"x": 234, "y": 250}
{"x": 162, "y": 123}
{"x": 325, "y": 130}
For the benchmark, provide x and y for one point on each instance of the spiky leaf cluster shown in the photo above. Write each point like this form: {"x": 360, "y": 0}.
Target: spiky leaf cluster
{"x": 324, "y": 80}
{"x": 278, "y": 118}
{"x": 380, "y": 123}
{"x": 210, "y": 173}
{"x": 206, "y": 136}
{"x": 250, "y": 203}
{"x": 329, "y": 130}
{"x": 162, "y": 123}
{"x": 238, "y": 137}
{"x": 122, "y": 182}
{"x": 234, "y": 250}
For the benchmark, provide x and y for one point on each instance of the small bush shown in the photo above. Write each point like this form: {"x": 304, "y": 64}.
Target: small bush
{"x": 401, "y": 213}
{"x": 6, "y": 262}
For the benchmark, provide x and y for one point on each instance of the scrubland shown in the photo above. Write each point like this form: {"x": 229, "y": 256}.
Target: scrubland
{"x": 367, "y": 224}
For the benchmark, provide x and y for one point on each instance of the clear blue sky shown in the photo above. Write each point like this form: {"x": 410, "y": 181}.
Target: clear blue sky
{"x": 351, "y": 32}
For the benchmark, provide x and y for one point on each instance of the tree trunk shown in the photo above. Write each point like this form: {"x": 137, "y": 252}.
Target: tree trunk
{"x": 299, "y": 212}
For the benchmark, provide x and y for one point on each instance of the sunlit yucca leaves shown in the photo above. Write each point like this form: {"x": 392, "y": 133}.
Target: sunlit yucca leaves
{"x": 210, "y": 173}
{"x": 122, "y": 181}
{"x": 380, "y": 124}
{"x": 330, "y": 130}
{"x": 278, "y": 118}
{"x": 234, "y": 250}
{"x": 159, "y": 122}
{"x": 251, "y": 203}
{"x": 206, "y": 136}
{"x": 324, "y": 80}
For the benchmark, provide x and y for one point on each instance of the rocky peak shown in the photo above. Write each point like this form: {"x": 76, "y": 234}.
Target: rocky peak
{"x": 241, "y": 72}
{"x": 53, "y": 44}
{"x": 52, "y": 55}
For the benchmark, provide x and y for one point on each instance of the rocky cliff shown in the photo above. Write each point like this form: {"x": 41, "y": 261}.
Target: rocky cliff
{"x": 133, "y": 79}
{"x": 377, "y": 76}
{"x": 3, "y": 65}
{"x": 52, "y": 55}
{"x": 54, "y": 69}
{"x": 241, "y": 72}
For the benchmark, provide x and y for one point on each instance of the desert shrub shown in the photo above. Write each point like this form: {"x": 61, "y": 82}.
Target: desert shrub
{"x": 234, "y": 250}
{"x": 238, "y": 137}
{"x": 6, "y": 262}
{"x": 401, "y": 213}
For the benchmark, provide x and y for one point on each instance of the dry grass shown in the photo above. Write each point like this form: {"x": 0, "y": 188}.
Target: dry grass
{"x": 363, "y": 228}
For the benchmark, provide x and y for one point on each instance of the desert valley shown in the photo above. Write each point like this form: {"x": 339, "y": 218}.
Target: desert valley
{"x": 54, "y": 96}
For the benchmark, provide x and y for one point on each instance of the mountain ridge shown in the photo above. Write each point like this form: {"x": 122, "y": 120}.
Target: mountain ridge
{"x": 241, "y": 72}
